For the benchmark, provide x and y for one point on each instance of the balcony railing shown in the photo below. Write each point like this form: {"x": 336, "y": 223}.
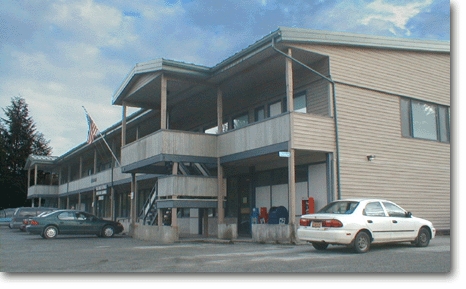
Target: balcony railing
{"x": 169, "y": 142}
{"x": 43, "y": 191}
{"x": 187, "y": 186}
{"x": 92, "y": 181}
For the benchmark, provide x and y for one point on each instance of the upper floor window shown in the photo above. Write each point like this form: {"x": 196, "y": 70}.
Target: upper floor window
{"x": 275, "y": 108}
{"x": 299, "y": 103}
{"x": 240, "y": 121}
{"x": 259, "y": 114}
{"x": 424, "y": 120}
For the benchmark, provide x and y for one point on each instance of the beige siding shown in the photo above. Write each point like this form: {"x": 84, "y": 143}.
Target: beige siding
{"x": 269, "y": 132}
{"x": 423, "y": 75}
{"x": 191, "y": 186}
{"x": 414, "y": 173}
{"x": 313, "y": 132}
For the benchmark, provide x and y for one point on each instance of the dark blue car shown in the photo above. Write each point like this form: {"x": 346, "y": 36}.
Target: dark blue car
{"x": 72, "y": 222}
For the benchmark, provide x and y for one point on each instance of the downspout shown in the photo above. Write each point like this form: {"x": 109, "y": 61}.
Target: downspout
{"x": 335, "y": 111}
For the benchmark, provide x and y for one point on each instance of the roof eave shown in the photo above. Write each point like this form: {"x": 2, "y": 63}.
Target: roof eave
{"x": 300, "y": 35}
{"x": 159, "y": 65}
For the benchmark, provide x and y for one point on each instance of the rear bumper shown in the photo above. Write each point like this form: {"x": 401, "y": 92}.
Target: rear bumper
{"x": 333, "y": 236}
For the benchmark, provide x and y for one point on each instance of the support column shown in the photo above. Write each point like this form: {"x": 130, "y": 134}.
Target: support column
{"x": 220, "y": 186}
{"x": 133, "y": 202}
{"x": 95, "y": 162}
{"x": 291, "y": 159}
{"x": 221, "y": 194}
{"x": 80, "y": 167}
{"x": 79, "y": 202}
{"x": 163, "y": 102}
{"x": 123, "y": 125}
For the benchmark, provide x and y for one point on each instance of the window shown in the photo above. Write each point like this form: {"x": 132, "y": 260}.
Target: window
{"x": 374, "y": 209}
{"x": 275, "y": 108}
{"x": 259, "y": 114}
{"x": 299, "y": 103}
{"x": 240, "y": 121}
{"x": 424, "y": 120}
{"x": 66, "y": 216}
{"x": 393, "y": 210}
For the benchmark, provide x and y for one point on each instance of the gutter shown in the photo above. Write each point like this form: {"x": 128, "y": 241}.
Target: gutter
{"x": 335, "y": 111}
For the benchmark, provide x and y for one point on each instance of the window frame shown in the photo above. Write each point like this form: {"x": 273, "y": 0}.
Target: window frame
{"x": 442, "y": 126}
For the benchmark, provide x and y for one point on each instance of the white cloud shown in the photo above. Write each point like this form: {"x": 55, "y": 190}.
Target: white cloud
{"x": 396, "y": 15}
{"x": 98, "y": 24}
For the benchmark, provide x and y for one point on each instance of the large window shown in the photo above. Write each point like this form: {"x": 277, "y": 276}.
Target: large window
{"x": 425, "y": 120}
{"x": 240, "y": 121}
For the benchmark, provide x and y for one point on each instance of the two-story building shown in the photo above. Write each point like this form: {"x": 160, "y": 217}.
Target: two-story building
{"x": 299, "y": 114}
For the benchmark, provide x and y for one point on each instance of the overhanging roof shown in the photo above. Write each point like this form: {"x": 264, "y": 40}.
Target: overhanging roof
{"x": 145, "y": 77}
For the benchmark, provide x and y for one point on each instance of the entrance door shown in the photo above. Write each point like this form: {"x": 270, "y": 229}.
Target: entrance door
{"x": 244, "y": 202}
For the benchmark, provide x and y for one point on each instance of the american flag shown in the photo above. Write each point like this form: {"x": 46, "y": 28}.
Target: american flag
{"x": 92, "y": 128}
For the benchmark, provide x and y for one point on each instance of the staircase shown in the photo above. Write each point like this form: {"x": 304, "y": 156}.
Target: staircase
{"x": 149, "y": 212}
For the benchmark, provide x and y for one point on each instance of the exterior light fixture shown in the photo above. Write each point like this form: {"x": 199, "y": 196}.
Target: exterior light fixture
{"x": 371, "y": 158}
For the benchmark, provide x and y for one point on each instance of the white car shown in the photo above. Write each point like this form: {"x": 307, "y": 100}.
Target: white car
{"x": 358, "y": 223}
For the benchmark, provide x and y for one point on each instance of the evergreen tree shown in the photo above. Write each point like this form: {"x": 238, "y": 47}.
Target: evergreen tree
{"x": 19, "y": 139}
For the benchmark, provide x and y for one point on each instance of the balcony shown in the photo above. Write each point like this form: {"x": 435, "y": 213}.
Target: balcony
{"x": 90, "y": 182}
{"x": 42, "y": 191}
{"x": 188, "y": 186}
{"x": 167, "y": 145}
{"x": 310, "y": 132}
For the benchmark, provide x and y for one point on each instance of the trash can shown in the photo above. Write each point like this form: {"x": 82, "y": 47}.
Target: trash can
{"x": 278, "y": 215}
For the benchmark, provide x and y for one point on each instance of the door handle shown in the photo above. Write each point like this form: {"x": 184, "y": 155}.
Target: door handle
{"x": 369, "y": 221}
{"x": 394, "y": 221}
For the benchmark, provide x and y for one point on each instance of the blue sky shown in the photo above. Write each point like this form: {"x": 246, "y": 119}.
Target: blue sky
{"x": 62, "y": 55}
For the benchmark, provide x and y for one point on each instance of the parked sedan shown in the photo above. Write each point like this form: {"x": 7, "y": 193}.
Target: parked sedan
{"x": 72, "y": 222}
{"x": 358, "y": 223}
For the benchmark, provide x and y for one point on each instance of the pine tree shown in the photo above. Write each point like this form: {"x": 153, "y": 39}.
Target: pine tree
{"x": 19, "y": 139}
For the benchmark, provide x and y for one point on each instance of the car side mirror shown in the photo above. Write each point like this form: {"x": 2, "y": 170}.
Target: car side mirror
{"x": 408, "y": 215}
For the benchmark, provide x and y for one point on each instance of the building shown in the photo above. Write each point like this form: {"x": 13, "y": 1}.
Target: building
{"x": 299, "y": 114}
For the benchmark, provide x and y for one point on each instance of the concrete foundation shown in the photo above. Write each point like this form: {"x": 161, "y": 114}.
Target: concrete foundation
{"x": 273, "y": 233}
{"x": 162, "y": 234}
{"x": 227, "y": 231}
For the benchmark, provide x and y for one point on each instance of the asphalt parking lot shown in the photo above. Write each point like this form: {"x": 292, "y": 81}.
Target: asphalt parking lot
{"x": 23, "y": 252}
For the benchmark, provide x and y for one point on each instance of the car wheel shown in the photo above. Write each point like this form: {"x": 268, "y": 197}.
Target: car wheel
{"x": 423, "y": 238}
{"x": 50, "y": 232}
{"x": 108, "y": 231}
{"x": 319, "y": 245}
{"x": 362, "y": 242}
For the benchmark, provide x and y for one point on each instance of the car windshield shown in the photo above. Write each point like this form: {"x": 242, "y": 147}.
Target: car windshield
{"x": 45, "y": 214}
{"x": 339, "y": 207}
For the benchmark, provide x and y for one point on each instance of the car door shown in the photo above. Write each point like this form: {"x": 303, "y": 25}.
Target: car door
{"x": 86, "y": 223}
{"x": 377, "y": 221}
{"x": 67, "y": 222}
{"x": 404, "y": 228}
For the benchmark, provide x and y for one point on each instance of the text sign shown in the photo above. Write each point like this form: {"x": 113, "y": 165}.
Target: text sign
{"x": 284, "y": 154}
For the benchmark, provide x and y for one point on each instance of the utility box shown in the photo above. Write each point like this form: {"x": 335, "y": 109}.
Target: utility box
{"x": 278, "y": 215}
{"x": 308, "y": 206}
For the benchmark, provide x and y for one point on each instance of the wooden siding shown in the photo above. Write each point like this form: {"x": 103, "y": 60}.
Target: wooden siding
{"x": 43, "y": 190}
{"x": 169, "y": 142}
{"x": 92, "y": 181}
{"x": 422, "y": 75}
{"x": 268, "y": 132}
{"x": 187, "y": 186}
{"x": 412, "y": 172}
{"x": 313, "y": 132}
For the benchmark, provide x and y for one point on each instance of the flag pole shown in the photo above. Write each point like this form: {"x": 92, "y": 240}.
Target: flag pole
{"x": 88, "y": 115}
